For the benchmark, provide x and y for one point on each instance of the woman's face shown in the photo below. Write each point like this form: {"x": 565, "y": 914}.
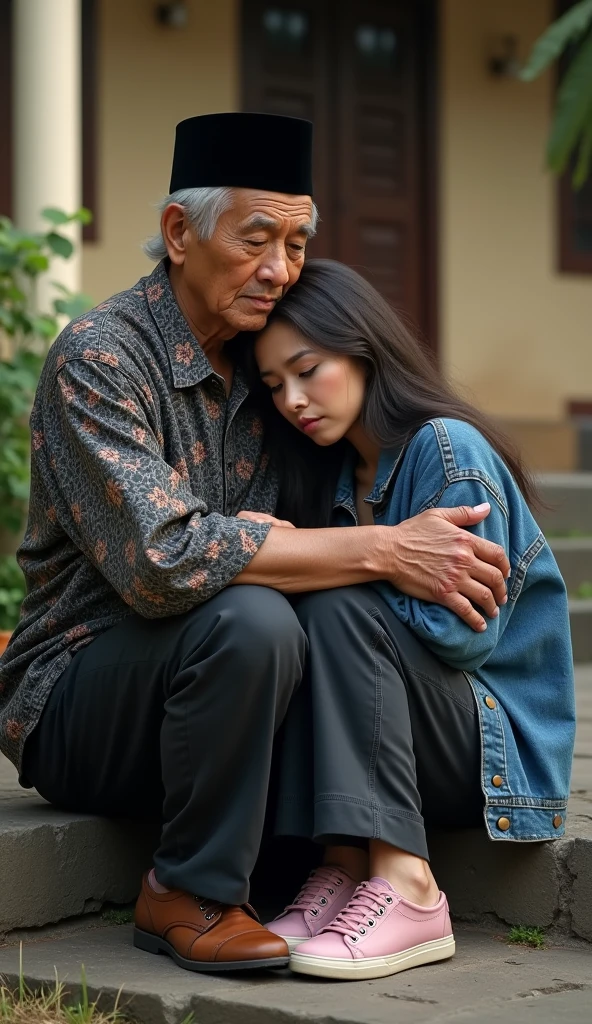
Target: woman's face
{"x": 320, "y": 393}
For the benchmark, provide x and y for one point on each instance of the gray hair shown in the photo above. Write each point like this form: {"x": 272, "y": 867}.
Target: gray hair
{"x": 203, "y": 207}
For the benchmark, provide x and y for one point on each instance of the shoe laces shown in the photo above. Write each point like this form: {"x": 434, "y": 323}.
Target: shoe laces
{"x": 367, "y": 905}
{"x": 323, "y": 879}
{"x": 209, "y": 908}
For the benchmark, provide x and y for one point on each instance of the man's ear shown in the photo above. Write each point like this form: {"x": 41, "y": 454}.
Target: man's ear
{"x": 173, "y": 225}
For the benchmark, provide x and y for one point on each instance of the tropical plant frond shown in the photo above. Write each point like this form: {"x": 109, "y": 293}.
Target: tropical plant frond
{"x": 573, "y": 108}
{"x": 569, "y": 28}
{"x": 584, "y": 162}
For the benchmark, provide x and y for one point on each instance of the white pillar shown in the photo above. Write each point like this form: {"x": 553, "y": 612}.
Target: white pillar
{"x": 47, "y": 119}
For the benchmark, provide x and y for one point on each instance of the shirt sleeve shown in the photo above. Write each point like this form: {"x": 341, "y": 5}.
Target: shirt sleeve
{"x": 133, "y": 515}
{"x": 440, "y": 629}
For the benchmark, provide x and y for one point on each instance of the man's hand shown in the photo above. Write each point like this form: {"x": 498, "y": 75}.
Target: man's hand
{"x": 263, "y": 517}
{"x": 435, "y": 561}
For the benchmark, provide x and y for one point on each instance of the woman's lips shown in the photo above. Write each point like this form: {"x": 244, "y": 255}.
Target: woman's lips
{"x": 309, "y": 425}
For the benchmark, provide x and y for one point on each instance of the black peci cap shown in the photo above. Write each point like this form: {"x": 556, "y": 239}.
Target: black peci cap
{"x": 262, "y": 151}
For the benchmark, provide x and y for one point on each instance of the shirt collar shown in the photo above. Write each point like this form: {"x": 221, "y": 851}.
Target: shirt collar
{"x": 387, "y": 465}
{"x": 189, "y": 364}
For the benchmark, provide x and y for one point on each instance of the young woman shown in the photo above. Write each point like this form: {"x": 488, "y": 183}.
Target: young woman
{"x": 408, "y": 716}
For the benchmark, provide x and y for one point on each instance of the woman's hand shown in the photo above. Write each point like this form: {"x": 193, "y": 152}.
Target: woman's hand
{"x": 263, "y": 517}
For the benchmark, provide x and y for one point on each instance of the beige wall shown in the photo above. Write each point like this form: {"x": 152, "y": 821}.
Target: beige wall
{"x": 515, "y": 331}
{"x": 150, "y": 78}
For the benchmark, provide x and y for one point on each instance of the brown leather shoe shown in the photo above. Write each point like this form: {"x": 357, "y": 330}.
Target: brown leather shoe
{"x": 203, "y": 935}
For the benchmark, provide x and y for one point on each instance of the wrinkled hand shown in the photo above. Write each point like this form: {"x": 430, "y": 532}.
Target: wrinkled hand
{"x": 436, "y": 561}
{"x": 263, "y": 517}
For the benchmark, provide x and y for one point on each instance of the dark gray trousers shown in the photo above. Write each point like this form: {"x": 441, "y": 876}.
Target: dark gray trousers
{"x": 381, "y": 736}
{"x": 175, "y": 719}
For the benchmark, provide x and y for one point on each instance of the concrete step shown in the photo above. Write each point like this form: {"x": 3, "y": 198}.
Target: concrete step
{"x": 57, "y": 866}
{"x": 488, "y": 981}
{"x": 569, "y": 496}
{"x": 574, "y": 558}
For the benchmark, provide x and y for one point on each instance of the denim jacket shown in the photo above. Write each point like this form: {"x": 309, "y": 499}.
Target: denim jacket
{"x": 520, "y": 668}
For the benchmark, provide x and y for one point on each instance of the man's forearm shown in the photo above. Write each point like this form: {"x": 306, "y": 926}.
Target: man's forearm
{"x": 300, "y": 560}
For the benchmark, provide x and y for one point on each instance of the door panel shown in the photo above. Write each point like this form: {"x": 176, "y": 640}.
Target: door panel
{"x": 358, "y": 69}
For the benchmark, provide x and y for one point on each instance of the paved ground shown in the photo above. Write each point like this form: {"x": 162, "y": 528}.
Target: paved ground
{"x": 487, "y": 981}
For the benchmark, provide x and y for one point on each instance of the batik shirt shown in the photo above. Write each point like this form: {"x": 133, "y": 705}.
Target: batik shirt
{"x": 140, "y": 464}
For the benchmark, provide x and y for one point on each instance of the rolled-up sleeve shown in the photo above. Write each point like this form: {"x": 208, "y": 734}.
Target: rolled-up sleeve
{"x": 133, "y": 515}
{"x": 440, "y": 629}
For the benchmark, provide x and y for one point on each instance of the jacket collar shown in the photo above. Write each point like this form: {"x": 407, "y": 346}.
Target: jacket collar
{"x": 387, "y": 466}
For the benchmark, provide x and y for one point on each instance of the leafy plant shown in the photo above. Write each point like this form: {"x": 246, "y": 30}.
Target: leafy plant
{"x": 25, "y": 334}
{"x": 571, "y": 130}
{"x": 12, "y": 593}
{"x": 522, "y": 936}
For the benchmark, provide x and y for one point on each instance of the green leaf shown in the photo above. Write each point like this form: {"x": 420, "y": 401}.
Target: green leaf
{"x": 83, "y": 216}
{"x": 8, "y": 261}
{"x": 584, "y": 164}
{"x": 35, "y": 264}
{"x": 45, "y": 326}
{"x": 567, "y": 29}
{"x": 73, "y": 306}
{"x": 60, "y": 245}
{"x": 573, "y": 108}
{"x": 55, "y": 216}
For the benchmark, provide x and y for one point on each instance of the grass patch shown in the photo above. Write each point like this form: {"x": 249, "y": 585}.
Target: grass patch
{"x": 51, "y": 1005}
{"x": 584, "y": 590}
{"x": 521, "y": 936}
{"x": 117, "y": 915}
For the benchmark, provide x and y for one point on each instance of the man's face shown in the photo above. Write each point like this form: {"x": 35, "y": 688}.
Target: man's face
{"x": 254, "y": 256}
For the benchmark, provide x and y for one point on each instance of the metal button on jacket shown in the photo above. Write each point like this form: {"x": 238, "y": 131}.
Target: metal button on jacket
{"x": 503, "y": 824}
{"x": 490, "y": 703}
{"x": 497, "y": 781}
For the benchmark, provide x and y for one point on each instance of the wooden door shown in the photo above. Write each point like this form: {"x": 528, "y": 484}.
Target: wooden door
{"x": 360, "y": 70}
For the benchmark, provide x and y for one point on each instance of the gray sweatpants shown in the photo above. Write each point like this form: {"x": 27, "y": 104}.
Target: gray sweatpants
{"x": 381, "y": 735}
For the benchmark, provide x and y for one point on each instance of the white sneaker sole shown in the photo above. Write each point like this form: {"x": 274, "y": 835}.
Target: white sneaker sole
{"x": 292, "y": 941}
{"x": 372, "y": 967}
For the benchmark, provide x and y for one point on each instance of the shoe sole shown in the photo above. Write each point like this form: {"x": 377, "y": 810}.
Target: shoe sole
{"x": 373, "y": 967}
{"x": 292, "y": 941}
{"x": 155, "y": 944}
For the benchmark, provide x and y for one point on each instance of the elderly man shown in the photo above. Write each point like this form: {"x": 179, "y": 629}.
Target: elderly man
{"x": 139, "y": 681}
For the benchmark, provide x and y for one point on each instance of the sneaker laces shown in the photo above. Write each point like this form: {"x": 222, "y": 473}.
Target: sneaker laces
{"x": 311, "y": 893}
{"x": 368, "y": 903}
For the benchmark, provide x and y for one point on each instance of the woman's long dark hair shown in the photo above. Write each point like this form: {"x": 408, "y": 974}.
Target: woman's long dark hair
{"x": 340, "y": 312}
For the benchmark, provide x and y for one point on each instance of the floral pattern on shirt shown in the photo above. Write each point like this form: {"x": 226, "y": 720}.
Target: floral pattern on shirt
{"x": 140, "y": 464}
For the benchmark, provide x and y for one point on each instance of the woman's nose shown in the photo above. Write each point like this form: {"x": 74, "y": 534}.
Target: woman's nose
{"x": 295, "y": 399}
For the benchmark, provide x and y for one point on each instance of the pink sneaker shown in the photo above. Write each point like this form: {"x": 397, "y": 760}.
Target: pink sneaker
{"x": 377, "y": 934}
{"x": 327, "y": 891}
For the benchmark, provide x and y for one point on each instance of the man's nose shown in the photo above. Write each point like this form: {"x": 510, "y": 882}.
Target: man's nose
{"x": 274, "y": 268}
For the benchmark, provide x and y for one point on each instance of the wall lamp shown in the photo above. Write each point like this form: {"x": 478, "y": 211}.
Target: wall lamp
{"x": 503, "y": 60}
{"x": 172, "y": 15}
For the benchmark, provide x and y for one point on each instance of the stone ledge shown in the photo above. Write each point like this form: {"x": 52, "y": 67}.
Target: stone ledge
{"x": 547, "y": 885}
{"x": 57, "y": 866}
